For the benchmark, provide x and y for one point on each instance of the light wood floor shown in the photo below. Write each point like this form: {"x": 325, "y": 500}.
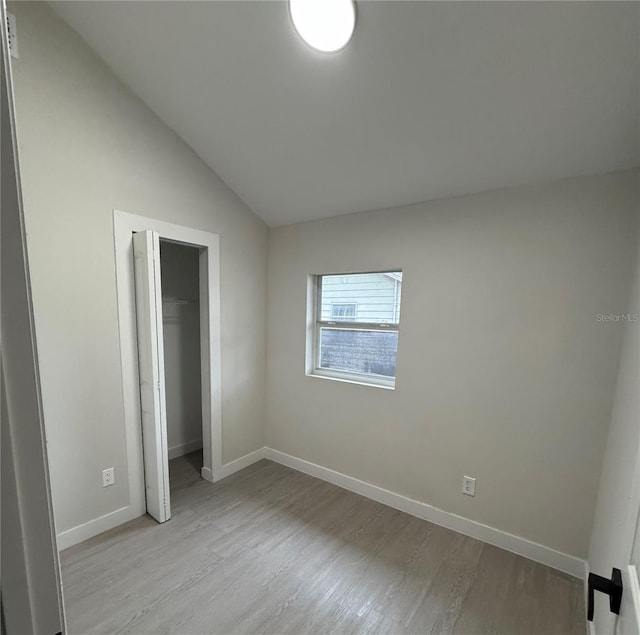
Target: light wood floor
{"x": 271, "y": 550}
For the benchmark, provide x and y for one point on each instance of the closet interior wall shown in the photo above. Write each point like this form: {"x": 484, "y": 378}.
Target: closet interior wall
{"x": 181, "y": 334}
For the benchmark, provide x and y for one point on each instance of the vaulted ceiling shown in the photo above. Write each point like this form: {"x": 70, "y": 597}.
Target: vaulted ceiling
{"x": 429, "y": 100}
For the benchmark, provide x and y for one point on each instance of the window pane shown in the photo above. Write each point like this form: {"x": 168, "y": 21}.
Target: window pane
{"x": 359, "y": 351}
{"x": 343, "y": 312}
{"x": 367, "y": 297}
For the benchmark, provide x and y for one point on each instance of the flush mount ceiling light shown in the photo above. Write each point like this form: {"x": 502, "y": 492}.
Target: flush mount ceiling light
{"x": 326, "y": 25}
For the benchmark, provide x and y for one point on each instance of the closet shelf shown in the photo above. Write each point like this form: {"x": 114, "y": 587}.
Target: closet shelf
{"x": 179, "y": 302}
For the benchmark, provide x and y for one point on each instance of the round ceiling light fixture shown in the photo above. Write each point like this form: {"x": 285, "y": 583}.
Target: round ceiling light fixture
{"x": 325, "y": 25}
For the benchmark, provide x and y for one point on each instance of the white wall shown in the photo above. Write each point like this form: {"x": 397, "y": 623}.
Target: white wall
{"x": 504, "y": 372}
{"x": 614, "y": 522}
{"x": 87, "y": 146}
{"x": 181, "y": 335}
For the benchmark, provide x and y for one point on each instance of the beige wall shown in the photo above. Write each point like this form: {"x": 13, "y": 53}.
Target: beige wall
{"x": 87, "y": 146}
{"x": 504, "y": 372}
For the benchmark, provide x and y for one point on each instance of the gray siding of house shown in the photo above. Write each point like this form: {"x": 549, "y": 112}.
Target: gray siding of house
{"x": 376, "y": 296}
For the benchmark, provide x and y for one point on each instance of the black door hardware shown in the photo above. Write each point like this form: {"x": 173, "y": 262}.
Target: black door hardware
{"x": 613, "y": 588}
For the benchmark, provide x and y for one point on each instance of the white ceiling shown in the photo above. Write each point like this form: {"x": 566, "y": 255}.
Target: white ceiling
{"x": 428, "y": 100}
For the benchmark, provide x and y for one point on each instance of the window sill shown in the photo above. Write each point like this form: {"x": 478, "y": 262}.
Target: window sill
{"x": 351, "y": 379}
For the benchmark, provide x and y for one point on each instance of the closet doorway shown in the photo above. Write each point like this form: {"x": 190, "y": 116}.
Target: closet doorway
{"x": 180, "y": 273}
{"x": 169, "y": 311}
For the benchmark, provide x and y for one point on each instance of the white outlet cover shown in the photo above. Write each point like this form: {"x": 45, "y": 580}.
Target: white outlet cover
{"x": 469, "y": 485}
{"x": 108, "y": 477}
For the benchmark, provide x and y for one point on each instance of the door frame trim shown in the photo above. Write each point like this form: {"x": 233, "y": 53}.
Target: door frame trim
{"x": 124, "y": 225}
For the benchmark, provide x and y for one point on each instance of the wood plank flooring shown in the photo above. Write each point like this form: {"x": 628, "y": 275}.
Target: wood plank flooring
{"x": 271, "y": 550}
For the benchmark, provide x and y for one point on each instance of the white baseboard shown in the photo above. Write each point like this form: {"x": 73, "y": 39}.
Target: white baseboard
{"x": 96, "y": 526}
{"x": 521, "y": 546}
{"x": 184, "y": 448}
{"x": 244, "y": 461}
{"x": 92, "y": 528}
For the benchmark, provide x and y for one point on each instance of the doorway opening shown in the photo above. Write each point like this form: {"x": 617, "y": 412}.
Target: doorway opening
{"x": 168, "y": 286}
{"x": 180, "y": 273}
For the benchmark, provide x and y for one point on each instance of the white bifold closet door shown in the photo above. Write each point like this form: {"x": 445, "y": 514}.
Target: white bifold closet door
{"x": 146, "y": 248}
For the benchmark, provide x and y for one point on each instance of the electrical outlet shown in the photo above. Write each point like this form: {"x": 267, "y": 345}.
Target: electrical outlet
{"x": 469, "y": 485}
{"x": 108, "y": 477}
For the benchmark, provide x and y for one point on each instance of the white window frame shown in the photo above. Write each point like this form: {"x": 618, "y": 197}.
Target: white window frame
{"x": 315, "y": 324}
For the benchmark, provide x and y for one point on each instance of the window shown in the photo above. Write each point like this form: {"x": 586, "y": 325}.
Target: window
{"x": 353, "y": 327}
{"x": 343, "y": 312}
